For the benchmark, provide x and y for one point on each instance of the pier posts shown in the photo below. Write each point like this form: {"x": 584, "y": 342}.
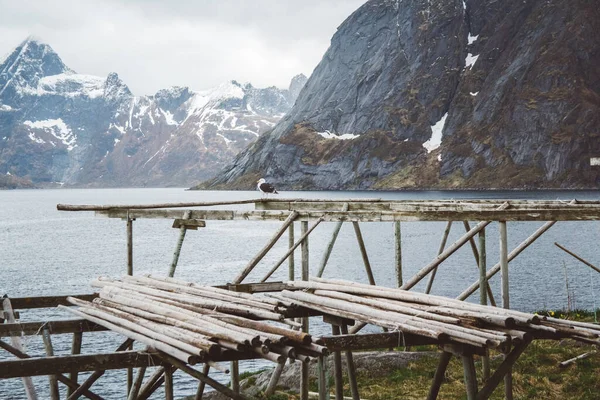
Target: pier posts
{"x": 304, "y": 376}
{"x": 508, "y": 387}
{"x": 398, "y": 252}
{"x": 483, "y": 283}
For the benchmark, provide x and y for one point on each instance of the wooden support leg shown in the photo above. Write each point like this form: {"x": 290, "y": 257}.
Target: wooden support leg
{"x": 75, "y": 349}
{"x": 234, "y": 366}
{"x": 54, "y": 394}
{"x": 488, "y": 289}
{"x": 290, "y": 220}
{"x": 17, "y": 344}
{"x": 291, "y": 266}
{"x": 182, "y": 232}
{"x": 438, "y": 378}
{"x": 130, "y": 245}
{"x": 169, "y": 383}
{"x": 470, "y": 376}
{"x": 398, "y": 252}
{"x": 72, "y": 385}
{"x": 329, "y": 248}
{"x": 502, "y": 370}
{"x": 202, "y": 384}
{"x": 304, "y": 377}
{"x": 154, "y": 382}
{"x": 508, "y": 387}
{"x": 363, "y": 252}
{"x": 337, "y": 367}
{"x": 137, "y": 384}
{"x": 95, "y": 376}
{"x": 274, "y": 378}
{"x": 485, "y": 360}
{"x": 440, "y": 250}
{"x": 351, "y": 369}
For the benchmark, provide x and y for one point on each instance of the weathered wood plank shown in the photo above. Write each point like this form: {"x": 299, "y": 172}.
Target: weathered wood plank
{"x": 374, "y": 341}
{"x": 54, "y": 327}
{"x": 22, "y": 303}
{"x": 193, "y": 224}
{"x": 81, "y": 363}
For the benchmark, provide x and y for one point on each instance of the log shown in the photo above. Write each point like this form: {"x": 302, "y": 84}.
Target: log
{"x": 592, "y": 266}
{"x": 438, "y": 378}
{"x": 75, "y": 349}
{"x": 329, "y": 248}
{"x": 440, "y": 251}
{"x": 137, "y": 384}
{"x": 565, "y": 363}
{"x": 202, "y": 384}
{"x": 54, "y": 394}
{"x": 398, "y": 252}
{"x": 363, "y": 252}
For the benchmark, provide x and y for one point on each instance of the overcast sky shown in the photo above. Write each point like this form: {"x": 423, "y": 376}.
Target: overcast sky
{"x": 154, "y": 44}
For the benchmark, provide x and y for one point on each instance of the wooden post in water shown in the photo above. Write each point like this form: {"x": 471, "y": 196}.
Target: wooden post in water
{"x": 75, "y": 349}
{"x": 508, "y": 387}
{"x": 17, "y": 344}
{"x": 440, "y": 250}
{"x": 337, "y": 368}
{"x": 182, "y": 231}
{"x": 483, "y": 283}
{"x": 168, "y": 383}
{"x": 305, "y": 328}
{"x": 291, "y": 265}
{"x": 54, "y": 394}
{"x": 398, "y": 252}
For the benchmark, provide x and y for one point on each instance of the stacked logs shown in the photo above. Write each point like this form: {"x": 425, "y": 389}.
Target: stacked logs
{"x": 442, "y": 319}
{"x": 195, "y": 323}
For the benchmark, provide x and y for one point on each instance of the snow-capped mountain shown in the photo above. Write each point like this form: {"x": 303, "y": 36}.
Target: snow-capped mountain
{"x": 60, "y": 126}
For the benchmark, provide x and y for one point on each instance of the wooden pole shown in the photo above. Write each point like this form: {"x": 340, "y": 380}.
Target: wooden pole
{"x": 363, "y": 252}
{"x": 16, "y": 342}
{"x": 485, "y": 360}
{"x": 291, "y": 250}
{"x": 438, "y": 378}
{"x": 490, "y": 294}
{"x": 337, "y": 368}
{"x": 75, "y": 349}
{"x": 168, "y": 383}
{"x": 304, "y": 376}
{"x": 592, "y": 266}
{"x": 129, "y": 272}
{"x": 137, "y": 384}
{"x": 155, "y": 379}
{"x": 440, "y": 251}
{"x": 291, "y": 261}
{"x": 470, "y": 376}
{"x": 243, "y": 274}
{"x": 182, "y": 232}
{"x": 202, "y": 384}
{"x": 235, "y": 376}
{"x": 508, "y": 387}
{"x": 323, "y": 387}
{"x": 274, "y": 379}
{"x": 443, "y": 256}
{"x": 494, "y": 270}
{"x": 398, "y": 252}
{"x": 54, "y": 394}
{"x": 329, "y": 248}
{"x": 351, "y": 370}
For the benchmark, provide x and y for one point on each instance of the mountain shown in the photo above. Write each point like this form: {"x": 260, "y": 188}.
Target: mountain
{"x": 443, "y": 94}
{"x": 60, "y": 126}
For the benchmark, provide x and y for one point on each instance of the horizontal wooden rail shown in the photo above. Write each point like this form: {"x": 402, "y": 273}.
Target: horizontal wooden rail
{"x": 22, "y": 303}
{"x": 81, "y": 363}
{"x": 384, "y": 340}
{"x": 54, "y": 327}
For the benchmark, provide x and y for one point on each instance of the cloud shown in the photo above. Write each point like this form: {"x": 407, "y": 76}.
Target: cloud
{"x": 153, "y": 44}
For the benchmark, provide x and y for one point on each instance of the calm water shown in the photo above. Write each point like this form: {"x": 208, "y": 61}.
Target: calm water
{"x": 47, "y": 252}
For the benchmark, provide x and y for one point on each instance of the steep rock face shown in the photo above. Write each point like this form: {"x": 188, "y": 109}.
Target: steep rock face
{"x": 59, "y": 126}
{"x": 510, "y": 88}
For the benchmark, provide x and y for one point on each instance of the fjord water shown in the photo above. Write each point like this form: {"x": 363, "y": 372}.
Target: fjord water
{"x": 47, "y": 252}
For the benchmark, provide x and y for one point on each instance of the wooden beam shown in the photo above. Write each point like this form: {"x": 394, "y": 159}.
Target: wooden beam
{"x": 182, "y": 231}
{"x": 54, "y": 327}
{"x": 22, "y": 303}
{"x": 54, "y": 394}
{"x": 440, "y": 251}
{"x": 502, "y": 370}
{"x": 75, "y": 349}
{"x": 382, "y": 340}
{"x": 130, "y": 246}
{"x": 363, "y": 252}
{"x": 329, "y": 248}
{"x": 589, "y": 264}
{"x": 337, "y": 367}
{"x": 470, "y": 376}
{"x": 398, "y": 252}
{"x": 350, "y": 366}
{"x": 81, "y": 363}
{"x": 304, "y": 250}
{"x": 438, "y": 378}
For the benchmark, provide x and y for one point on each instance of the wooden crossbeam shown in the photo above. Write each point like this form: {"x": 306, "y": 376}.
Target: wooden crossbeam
{"x": 374, "y": 341}
{"x": 61, "y": 364}
{"x": 54, "y": 327}
{"x": 193, "y": 224}
{"x": 22, "y": 303}
{"x": 511, "y": 214}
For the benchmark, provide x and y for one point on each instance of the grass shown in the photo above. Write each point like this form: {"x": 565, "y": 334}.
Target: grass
{"x": 536, "y": 375}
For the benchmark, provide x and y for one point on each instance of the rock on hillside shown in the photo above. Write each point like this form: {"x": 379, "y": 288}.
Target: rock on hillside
{"x": 60, "y": 126}
{"x": 443, "y": 94}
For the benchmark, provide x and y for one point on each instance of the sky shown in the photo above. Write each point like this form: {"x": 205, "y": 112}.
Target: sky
{"x": 155, "y": 44}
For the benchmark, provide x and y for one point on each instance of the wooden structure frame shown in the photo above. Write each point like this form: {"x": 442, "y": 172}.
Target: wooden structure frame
{"x": 188, "y": 216}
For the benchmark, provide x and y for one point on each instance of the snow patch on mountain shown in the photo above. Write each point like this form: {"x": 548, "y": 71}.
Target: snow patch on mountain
{"x": 72, "y": 85}
{"x": 436, "y": 135}
{"x": 330, "y": 135}
{"x": 57, "y": 128}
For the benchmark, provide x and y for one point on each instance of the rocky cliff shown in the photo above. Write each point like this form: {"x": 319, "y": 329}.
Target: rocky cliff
{"x": 63, "y": 127}
{"x": 443, "y": 94}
